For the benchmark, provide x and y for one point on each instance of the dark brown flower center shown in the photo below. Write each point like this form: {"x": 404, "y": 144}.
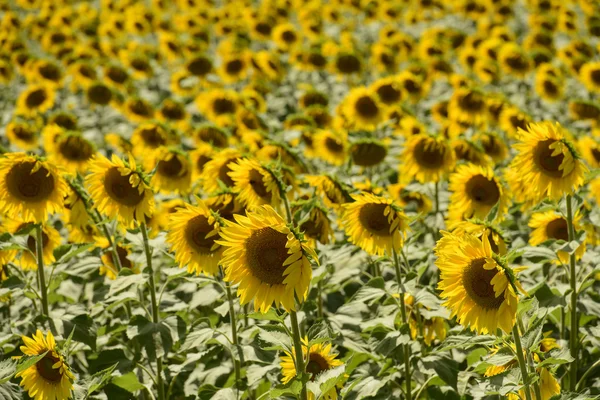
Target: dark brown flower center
{"x": 517, "y": 62}
{"x": 224, "y": 173}
{"x": 389, "y": 93}
{"x": 317, "y": 60}
{"x": 122, "y": 253}
{"x": 141, "y": 108}
{"x": 223, "y": 105}
{"x": 76, "y": 148}
{"x": 36, "y": 98}
{"x": 316, "y": 364}
{"x": 65, "y": 121}
{"x": 44, "y": 368}
{"x": 334, "y": 145}
{"x": 477, "y": 282}
{"x": 24, "y": 133}
{"x": 201, "y": 162}
{"x": 596, "y": 154}
{"x": 258, "y": 185}
{"x": 314, "y": 98}
{"x": 172, "y": 168}
{"x": 429, "y": 154}
{"x": 368, "y": 154}
{"x": 153, "y": 137}
{"x": 595, "y": 76}
{"x": 372, "y": 218}
{"x": 117, "y": 75}
{"x": 472, "y": 102}
{"x": 289, "y": 37}
{"x": 265, "y": 255}
{"x": 347, "y": 64}
{"x": 545, "y": 161}
{"x": 99, "y": 94}
{"x": 120, "y": 190}
{"x": 558, "y": 229}
{"x": 234, "y": 67}
{"x": 50, "y": 72}
{"x": 483, "y": 190}
{"x": 550, "y": 87}
{"x": 195, "y": 234}
{"x": 366, "y": 107}
{"x": 173, "y": 111}
{"x": 29, "y": 187}
{"x": 32, "y": 243}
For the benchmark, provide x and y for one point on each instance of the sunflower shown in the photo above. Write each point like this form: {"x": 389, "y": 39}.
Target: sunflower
{"x": 209, "y": 133}
{"x": 50, "y": 241}
{"x": 35, "y": 99}
{"x": 550, "y": 225}
{"x": 363, "y": 109}
{"x": 88, "y": 233}
{"x": 429, "y": 328}
{"x": 173, "y": 112}
{"x": 226, "y": 205}
{"x": 116, "y": 76}
{"x": 548, "y": 87}
{"x": 218, "y": 169}
{"x": 347, "y": 63}
{"x": 479, "y": 228}
{"x": 388, "y": 90}
{"x": 590, "y": 76}
{"x": 192, "y": 234}
{"x": 285, "y": 36}
{"x": 22, "y": 134}
{"x": 119, "y": 189}
{"x": 98, "y": 93}
{"x": 467, "y": 105}
{"x": 217, "y": 104}
{"x": 329, "y": 146}
{"x": 319, "y": 359}
{"x": 375, "y": 224}
{"x": 199, "y": 157}
{"x": 368, "y": 152}
{"x": 75, "y": 212}
{"x": 426, "y": 158}
{"x": 512, "y": 120}
{"x": 590, "y": 149}
{"x": 266, "y": 259}
{"x": 109, "y": 267}
{"x": 31, "y": 187}
{"x": 254, "y": 184}
{"x": 234, "y": 67}
{"x": 493, "y": 146}
{"x": 172, "y": 170}
{"x": 329, "y": 189}
{"x": 137, "y": 109}
{"x": 72, "y": 151}
{"x": 475, "y": 190}
{"x": 149, "y": 137}
{"x": 316, "y": 226}
{"x": 514, "y": 60}
{"x": 546, "y": 164}
{"x": 50, "y": 377}
{"x": 410, "y": 200}
{"x": 584, "y": 110}
{"x": 477, "y": 289}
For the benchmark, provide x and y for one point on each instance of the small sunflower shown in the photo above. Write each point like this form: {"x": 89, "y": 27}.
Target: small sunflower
{"x": 550, "y": 225}
{"x": 50, "y": 377}
{"x": 266, "y": 259}
{"x": 546, "y": 164}
{"x": 329, "y": 146}
{"x": 149, "y": 137}
{"x": 374, "y": 224}
{"x": 475, "y": 190}
{"x": 30, "y": 187}
{"x": 478, "y": 291}
{"x": 493, "y": 146}
{"x": 319, "y": 359}
{"x": 254, "y": 184}
{"x": 363, "y": 109}
{"x": 426, "y": 158}
{"x": 227, "y": 205}
{"x": 582, "y": 110}
{"x": 72, "y": 151}
{"x": 137, "y": 109}
{"x": 431, "y": 328}
{"x": 35, "y": 99}
{"x": 208, "y": 133}
{"x": 467, "y": 105}
{"x": 192, "y": 234}
{"x": 368, "y": 152}
{"x": 119, "y": 189}
{"x": 388, "y": 90}
{"x": 479, "y": 228}
{"x": 590, "y": 76}
{"x": 172, "y": 170}
{"x": 218, "y": 103}
{"x": 218, "y": 169}
{"x": 109, "y": 267}
{"x": 410, "y": 200}
{"x": 22, "y": 134}
{"x": 50, "y": 241}
{"x": 316, "y": 226}
{"x": 514, "y": 60}
{"x": 590, "y": 149}
{"x": 331, "y": 191}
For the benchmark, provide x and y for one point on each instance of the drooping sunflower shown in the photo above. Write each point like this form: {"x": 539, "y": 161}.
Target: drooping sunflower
{"x": 547, "y": 164}
{"x": 254, "y": 184}
{"x": 172, "y": 170}
{"x": 319, "y": 357}
{"x": 331, "y": 191}
{"x": 475, "y": 190}
{"x": 192, "y": 234}
{"x": 584, "y": 110}
{"x": 329, "y": 146}
{"x": 50, "y": 377}
{"x": 363, "y": 109}
{"x": 119, "y": 189}
{"x": 30, "y": 187}
{"x": 109, "y": 267}
{"x": 549, "y": 225}
{"x": 35, "y": 99}
{"x": 478, "y": 290}
{"x": 50, "y": 240}
{"x": 218, "y": 169}
{"x": 72, "y": 151}
{"x": 375, "y": 224}
{"x": 316, "y": 226}
{"x": 266, "y": 259}
{"x": 426, "y": 158}
{"x": 22, "y": 134}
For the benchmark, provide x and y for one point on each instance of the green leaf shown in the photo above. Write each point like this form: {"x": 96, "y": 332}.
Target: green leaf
{"x": 65, "y": 252}
{"x": 548, "y": 297}
{"x": 493, "y": 213}
{"x": 10, "y": 391}
{"x": 533, "y": 335}
{"x": 28, "y": 361}
{"x": 7, "y": 370}
{"x": 327, "y": 381}
{"x": 156, "y": 338}
{"x": 270, "y": 315}
{"x": 128, "y": 382}
{"x": 278, "y": 340}
{"x": 556, "y": 357}
{"x": 293, "y": 389}
{"x": 538, "y": 254}
{"x": 101, "y": 379}
{"x": 83, "y": 328}
{"x": 445, "y": 367}
{"x": 391, "y": 341}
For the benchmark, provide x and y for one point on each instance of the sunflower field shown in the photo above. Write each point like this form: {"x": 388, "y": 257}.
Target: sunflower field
{"x": 300, "y": 199}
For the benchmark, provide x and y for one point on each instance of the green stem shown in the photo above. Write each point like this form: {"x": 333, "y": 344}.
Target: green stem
{"x": 536, "y": 385}
{"x": 320, "y": 300}
{"x": 155, "y": 316}
{"x": 39, "y": 245}
{"x": 298, "y": 352}
{"x": 522, "y": 364}
{"x": 573, "y": 281}
{"x": 437, "y": 198}
{"x": 234, "y": 337}
{"x": 407, "y": 372}
{"x": 586, "y": 374}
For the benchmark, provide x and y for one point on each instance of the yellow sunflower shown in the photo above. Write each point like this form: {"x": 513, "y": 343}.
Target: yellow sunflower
{"x": 218, "y": 169}
{"x": 546, "y": 164}
{"x": 22, "y": 134}
{"x": 426, "y": 158}
{"x": 493, "y": 146}
{"x": 410, "y": 200}
{"x": 479, "y": 228}
{"x": 149, "y": 137}
{"x": 51, "y": 239}
{"x": 227, "y": 205}
{"x": 316, "y": 226}
{"x": 329, "y": 146}
{"x": 429, "y": 328}
{"x": 137, "y": 109}
{"x": 109, "y": 267}
{"x": 319, "y": 357}
{"x": 330, "y": 190}
{"x": 467, "y": 105}
{"x": 35, "y": 99}
{"x": 363, "y": 109}
{"x": 590, "y": 76}
{"x": 478, "y": 291}
{"x": 254, "y": 184}
{"x": 514, "y": 60}
{"x": 375, "y": 224}
{"x": 475, "y": 190}
{"x": 30, "y": 187}
{"x": 266, "y": 259}
{"x": 549, "y": 225}
{"x": 172, "y": 170}
{"x": 72, "y": 151}
{"x": 119, "y": 189}
{"x": 590, "y": 149}
{"x": 192, "y": 234}
{"x": 368, "y": 152}
{"x": 49, "y": 378}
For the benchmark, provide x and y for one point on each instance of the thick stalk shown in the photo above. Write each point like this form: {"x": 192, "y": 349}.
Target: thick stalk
{"x": 39, "y": 247}
{"x": 155, "y": 316}
{"x": 300, "y": 368}
{"x": 407, "y": 372}
{"x": 574, "y": 337}
{"x": 522, "y": 364}
{"x": 234, "y": 337}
